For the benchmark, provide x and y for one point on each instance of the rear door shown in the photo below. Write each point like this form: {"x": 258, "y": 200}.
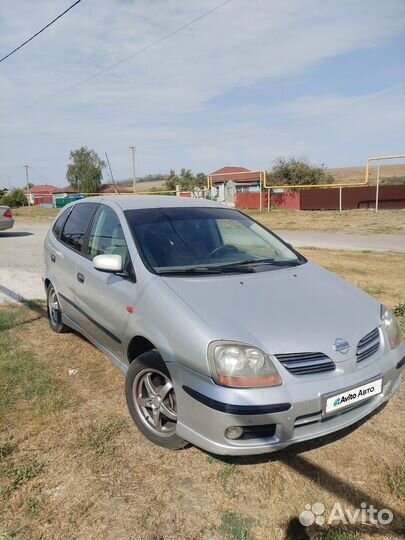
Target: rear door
{"x": 64, "y": 250}
{"x": 103, "y": 298}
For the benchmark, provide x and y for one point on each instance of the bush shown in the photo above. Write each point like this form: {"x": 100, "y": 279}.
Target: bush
{"x": 186, "y": 180}
{"x": 298, "y": 172}
{"x": 15, "y": 197}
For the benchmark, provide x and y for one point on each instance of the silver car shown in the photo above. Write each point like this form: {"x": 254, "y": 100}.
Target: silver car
{"x": 229, "y": 338}
{"x": 6, "y": 218}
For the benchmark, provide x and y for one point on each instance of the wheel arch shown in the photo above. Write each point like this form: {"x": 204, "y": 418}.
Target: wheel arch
{"x": 137, "y": 346}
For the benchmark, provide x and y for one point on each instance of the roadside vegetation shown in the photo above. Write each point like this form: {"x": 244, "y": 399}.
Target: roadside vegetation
{"x": 298, "y": 172}
{"x": 72, "y": 465}
{"x": 13, "y": 198}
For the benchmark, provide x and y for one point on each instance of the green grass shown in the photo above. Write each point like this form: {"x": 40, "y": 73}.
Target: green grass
{"x": 399, "y": 310}
{"x": 7, "y": 319}
{"x": 21, "y": 473}
{"x": 23, "y": 378}
{"x": 6, "y": 535}
{"x": 235, "y": 526}
{"x": 100, "y": 439}
{"x": 228, "y": 468}
{"x": 35, "y": 304}
{"x": 6, "y": 449}
{"x": 32, "y": 507}
{"x": 14, "y": 315}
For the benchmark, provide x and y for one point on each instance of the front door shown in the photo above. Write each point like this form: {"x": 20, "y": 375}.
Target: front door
{"x": 103, "y": 298}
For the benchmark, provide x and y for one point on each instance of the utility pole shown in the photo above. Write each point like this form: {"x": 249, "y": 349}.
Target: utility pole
{"x": 132, "y": 148}
{"x": 28, "y": 185}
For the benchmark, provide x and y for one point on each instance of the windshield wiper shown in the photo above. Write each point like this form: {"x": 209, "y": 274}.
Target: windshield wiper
{"x": 192, "y": 270}
{"x": 250, "y": 261}
{"x": 256, "y": 262}
{"x": 207, "y": 270}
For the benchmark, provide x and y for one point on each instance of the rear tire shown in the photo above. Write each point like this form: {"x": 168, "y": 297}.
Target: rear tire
{"x": 151, "y": 400}
{"x": 54, "y": 311}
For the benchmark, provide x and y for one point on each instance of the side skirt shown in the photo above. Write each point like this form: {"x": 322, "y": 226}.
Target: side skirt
{"x": 115, "y": 360}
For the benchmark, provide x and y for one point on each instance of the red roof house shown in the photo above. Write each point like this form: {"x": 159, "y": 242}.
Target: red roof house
{"x": 236, "y": 174}
{"x": 43, "y": 189}
{"x": 41, "y": 194}
{"x": 230, "y": 181}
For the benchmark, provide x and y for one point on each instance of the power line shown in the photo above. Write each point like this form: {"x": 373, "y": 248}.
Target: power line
{"x": 42, "y": 29}
{"x": 39, "y": 174}
{"x": 130, "y": 57}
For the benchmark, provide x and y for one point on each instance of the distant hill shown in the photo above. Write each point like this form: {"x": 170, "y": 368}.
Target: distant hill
{"x": 389, "y": 174}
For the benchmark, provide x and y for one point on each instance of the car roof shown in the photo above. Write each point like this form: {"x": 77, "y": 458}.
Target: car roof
{"x": 131, "y": 202}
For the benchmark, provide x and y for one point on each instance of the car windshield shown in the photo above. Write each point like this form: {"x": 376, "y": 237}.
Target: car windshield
{"x": 206, "y": 240}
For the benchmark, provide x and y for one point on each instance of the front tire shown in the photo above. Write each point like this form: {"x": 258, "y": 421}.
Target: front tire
{"x": 54, "y": 311}
{"x": 151, "y": 400}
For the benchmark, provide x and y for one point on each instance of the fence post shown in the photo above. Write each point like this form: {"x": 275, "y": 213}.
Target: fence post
{"x": 340, "y": 199}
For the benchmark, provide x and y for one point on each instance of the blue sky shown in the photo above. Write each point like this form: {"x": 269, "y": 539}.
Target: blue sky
{"x": 320, "y": 79}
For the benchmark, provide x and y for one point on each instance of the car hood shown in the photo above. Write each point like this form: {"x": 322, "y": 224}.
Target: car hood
{"x": 299, "y": 309}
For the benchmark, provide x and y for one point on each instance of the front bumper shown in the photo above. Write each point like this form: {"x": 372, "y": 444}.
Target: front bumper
{"x": 282, "y": 415}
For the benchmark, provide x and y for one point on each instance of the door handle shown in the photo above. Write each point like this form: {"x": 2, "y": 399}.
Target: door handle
{"x": 53, "y": 258}
{"x": 80, "y": 277}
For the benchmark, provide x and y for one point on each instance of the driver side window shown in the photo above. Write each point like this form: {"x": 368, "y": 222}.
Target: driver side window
{"x": 107, "y": 237}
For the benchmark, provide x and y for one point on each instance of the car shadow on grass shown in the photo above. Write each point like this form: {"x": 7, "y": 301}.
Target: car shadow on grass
{"x": 336, "y": 486}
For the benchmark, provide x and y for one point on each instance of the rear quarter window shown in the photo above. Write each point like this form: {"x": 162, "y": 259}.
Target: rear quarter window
{"x": 76, "y": 225}
{"x": 60, "y": 222}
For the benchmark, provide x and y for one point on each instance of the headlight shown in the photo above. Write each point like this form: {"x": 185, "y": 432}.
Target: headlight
{"x": 236, "y": 364}
{"x": 391, "y": 327}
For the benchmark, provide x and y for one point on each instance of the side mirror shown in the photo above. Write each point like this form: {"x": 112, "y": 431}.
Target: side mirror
{"x": 289, "y": 245}
{"x": 108, "y": 263}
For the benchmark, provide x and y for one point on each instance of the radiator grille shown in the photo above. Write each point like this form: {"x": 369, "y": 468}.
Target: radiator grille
{"x": 368, "y": 345}
{"x": 306, "y": 363}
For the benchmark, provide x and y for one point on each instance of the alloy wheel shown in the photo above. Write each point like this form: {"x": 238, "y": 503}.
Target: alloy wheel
{"x": 53, "y": 306}
{"x": 155, "y": 401}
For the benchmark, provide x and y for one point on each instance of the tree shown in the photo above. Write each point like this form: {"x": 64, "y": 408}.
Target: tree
{"x": 186, "y": 180}
{"x": 85, "y": 172}
{"x": 15, "y": 197}
{"x": 298, "y": 172}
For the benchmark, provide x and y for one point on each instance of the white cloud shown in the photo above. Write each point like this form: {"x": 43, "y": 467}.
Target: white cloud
{"x": 151, "y": 99}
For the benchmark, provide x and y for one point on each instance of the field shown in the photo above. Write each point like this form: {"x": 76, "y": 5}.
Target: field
{"x": 392, "y": 171}
{"x": 73, "y": 466}
{"x": 349, "y": 221}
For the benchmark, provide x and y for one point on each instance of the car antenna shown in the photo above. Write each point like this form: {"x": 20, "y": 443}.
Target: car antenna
{"x": 112, "y": 177}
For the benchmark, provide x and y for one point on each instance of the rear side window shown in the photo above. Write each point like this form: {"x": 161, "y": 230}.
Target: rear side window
{"x": 59, "y": 223}
{"x": 76, "y": 225}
